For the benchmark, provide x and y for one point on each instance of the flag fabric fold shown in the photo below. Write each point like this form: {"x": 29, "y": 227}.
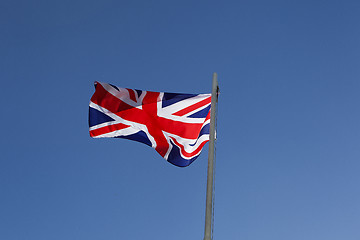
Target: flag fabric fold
{"x": 175, "y": 125}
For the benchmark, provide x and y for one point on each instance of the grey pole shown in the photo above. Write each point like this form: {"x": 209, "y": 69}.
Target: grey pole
{"x": 210, "y": 172}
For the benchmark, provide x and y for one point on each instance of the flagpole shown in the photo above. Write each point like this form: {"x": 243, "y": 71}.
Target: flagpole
{"x": 210, "y": 172}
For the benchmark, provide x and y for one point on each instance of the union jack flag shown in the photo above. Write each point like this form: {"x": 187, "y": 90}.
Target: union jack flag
{"x": 175, "y": 125}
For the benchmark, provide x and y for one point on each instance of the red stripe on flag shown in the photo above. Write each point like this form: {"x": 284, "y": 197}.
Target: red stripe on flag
{"x": 132, "y": 94}
{"x": 187, "y": 154}
{"x": 107, "y": 129}
{"x": 193, "y": 107}
{"x": 105, "y": 99}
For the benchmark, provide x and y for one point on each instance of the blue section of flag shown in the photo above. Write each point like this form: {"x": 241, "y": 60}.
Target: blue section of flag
{"x": 96, "y": 117}
{"x": 205, "y": 130}
{"x": 201, "y": 113}
{"x": 176, "y": 159}
{"x": 171, "y": 98}
{"x": 138, "y": 92}
{"x": 139, "y": 137}
{"x": 114, "y": 87}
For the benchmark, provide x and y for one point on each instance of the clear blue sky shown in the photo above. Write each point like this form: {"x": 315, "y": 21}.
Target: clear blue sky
{"x": 288, "y": 152}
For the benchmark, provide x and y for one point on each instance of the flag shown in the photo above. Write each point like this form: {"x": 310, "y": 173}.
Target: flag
{"x": 175, "y": 125}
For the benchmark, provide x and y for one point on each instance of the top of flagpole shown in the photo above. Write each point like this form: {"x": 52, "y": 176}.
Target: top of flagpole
{"x": 215, "y": 86}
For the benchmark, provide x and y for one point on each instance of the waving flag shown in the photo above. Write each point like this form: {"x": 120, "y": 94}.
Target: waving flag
{"x": 175, "y": 125}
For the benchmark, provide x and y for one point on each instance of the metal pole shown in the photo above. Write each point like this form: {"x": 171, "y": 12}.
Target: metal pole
{"x": 210, "y": 172}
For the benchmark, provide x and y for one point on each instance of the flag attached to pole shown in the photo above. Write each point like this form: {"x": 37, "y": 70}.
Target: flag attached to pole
{"x": 175, "y": 125}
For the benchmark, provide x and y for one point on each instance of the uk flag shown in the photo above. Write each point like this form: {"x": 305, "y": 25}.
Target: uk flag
{"x": 175, "y": 125}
